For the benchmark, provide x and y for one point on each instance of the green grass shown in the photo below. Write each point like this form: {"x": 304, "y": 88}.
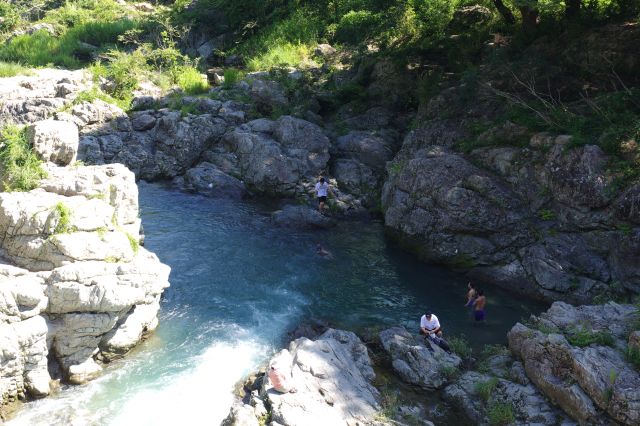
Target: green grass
{"x": 582, "y": 337}
{"x": 21, "y": 168}
{"x": 449, "y": 371}
{"x": 11, "y": 69}
{"x": 501, "y": 414}
{"x": 281, "y": 56}
{"x": 231, "y": 77}
{"x": 546, "y": 214}
{"x": 485, "y": 389}
{"x": 63, "y": 213}
{"x": 633, "y": 356}
{"x": 189, "y": 79}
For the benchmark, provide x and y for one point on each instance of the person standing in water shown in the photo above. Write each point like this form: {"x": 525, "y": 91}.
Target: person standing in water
{"x": 471, "y": 294}
{"x": 322, "y": 190}
{"x": 478, "y": 306}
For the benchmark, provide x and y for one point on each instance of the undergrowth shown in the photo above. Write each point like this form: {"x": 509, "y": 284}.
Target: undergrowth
{"x": 21, "y": 168}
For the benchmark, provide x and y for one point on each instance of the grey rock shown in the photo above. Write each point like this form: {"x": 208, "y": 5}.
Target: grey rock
{"x": 418, "y": 362}
{"x": 292, "y": 216}
{"x": 55, "y": 141}
{"x": 208, "y": 180}
{"x": 143, "y": 121}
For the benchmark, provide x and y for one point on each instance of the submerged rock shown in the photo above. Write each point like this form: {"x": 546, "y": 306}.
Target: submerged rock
{"x": 291, "y": 216}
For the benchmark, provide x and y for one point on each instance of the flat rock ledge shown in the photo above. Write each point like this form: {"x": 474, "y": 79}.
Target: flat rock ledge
{"x": 576, "y": 357}
{"x": 333, "y": 376}
{"x": 76, "y": 287}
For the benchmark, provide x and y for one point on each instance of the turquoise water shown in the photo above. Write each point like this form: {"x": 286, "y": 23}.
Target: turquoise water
{"x": 237, "y": 286}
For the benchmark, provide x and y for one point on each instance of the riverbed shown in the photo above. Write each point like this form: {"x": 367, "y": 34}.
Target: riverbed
{"x": 238, "y": 284}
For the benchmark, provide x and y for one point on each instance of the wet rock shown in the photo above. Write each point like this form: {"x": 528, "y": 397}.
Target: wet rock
{"x": 418, "y": 362}
{"x": 292, "y": 216}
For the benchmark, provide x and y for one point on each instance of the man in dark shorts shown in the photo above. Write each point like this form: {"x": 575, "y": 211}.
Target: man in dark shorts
{"x": 478, "y": 306}
{"x": 322, "y": 190}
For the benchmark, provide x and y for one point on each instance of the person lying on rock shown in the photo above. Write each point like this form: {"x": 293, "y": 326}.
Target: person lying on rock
{"x": 280, "y": 380}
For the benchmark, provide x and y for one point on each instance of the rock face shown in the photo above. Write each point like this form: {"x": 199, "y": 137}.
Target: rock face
{"x": 332, "y": 376}
{"x": 418, "y": 362}
{"x": 503, "y": 384}
{"x": 540, "y": 220}
{"x": 54, "y": 141}
{"x": 83, "y": 289}
{"x": 27, "y": 99}
{"x": 301, "y": 217}
{"x": 573, "y": 356}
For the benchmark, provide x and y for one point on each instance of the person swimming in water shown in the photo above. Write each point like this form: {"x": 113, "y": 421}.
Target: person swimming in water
{"x": 478, "y": 306}
{"x": 321, "y": 251}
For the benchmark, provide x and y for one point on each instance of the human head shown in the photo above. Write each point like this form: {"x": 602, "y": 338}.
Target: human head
{"x": 321, "y": 179}
{"x": 471, "y": 285}
{"x": 480, "y": 292}
{"x": 428, "y": 314}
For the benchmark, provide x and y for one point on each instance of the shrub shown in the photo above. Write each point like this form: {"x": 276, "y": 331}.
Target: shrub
{"x": 485, "y": 389}
{"x": 231, "y": 77}
{"x": 63, "y": 214}
{"x": 134, "y": 243}
{"x": 633, "y": 356}
{"x": 546, "y": 214}
{"x": 21, "y": 169}
{"x": 583, "y": 337}
{"x": 501, "y": 414}
{"x": 355, "y": 27}
{"x": 123, "y": 70}
{"x": 460, "y": 346}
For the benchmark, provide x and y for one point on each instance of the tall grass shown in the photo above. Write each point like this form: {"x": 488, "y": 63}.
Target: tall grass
{"x": 21, "y": 169}
{"x": 10, "y": 69}
{"x": 279, "y": 56}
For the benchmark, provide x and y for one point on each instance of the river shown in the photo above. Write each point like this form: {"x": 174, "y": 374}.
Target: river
{"x": 238, "y": 284}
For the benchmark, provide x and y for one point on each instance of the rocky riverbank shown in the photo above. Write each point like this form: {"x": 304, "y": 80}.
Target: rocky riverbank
{"x": 77, "y": 288}
{"x": 568, "y": 365}
{"x": 540, "y": 219}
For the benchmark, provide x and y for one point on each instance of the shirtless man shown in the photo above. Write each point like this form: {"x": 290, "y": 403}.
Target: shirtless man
{"x": 478, "y": 306}
{"x": 471, "y": 294}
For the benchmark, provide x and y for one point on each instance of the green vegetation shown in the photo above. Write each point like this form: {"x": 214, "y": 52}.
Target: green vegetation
{"x": 632, "y": 355}
{"x": 449, "y": 371}
{"x": 63, "y": 224}
{"x": 10, "y": 69}
{"x": 546, "y": 214}
{"x": 584, "y": 337}
{"x": 134, "y": 243}
{"x": 460, "y": 345}
{"x": 501, "y": 414}
{"x": 21, "y": 168}
{"x": 485, "y": 389}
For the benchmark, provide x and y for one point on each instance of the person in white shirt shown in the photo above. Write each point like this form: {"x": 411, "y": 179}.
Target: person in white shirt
{"x": 322, "y": 190}
{"x": 429, "y": 325}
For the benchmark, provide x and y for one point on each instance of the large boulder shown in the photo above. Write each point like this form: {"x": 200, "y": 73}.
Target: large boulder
{"x": 88, "y": 292}
{"x": 572, "y": 355}
{"x": 208, "y": 180}
{"x": 332, "y": 378}
{"x": 54, "y": 141}
{"x": 419, "y": 362}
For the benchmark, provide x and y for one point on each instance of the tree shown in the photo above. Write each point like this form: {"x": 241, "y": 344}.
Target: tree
{"x": 505, "y": 12}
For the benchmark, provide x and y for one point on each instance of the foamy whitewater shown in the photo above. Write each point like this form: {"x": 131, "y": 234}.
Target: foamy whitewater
{"x": 237, "y": 286}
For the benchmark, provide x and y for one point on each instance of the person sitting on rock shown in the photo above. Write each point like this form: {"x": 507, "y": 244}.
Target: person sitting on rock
{"x": 430, "y": 328}
{"x": 478, "y": 306}
{"x": 280, "y": 381}
{"x": 323, "y": 252}
{"x": 322, "y": 191}
{"x": 430, "y": 325}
